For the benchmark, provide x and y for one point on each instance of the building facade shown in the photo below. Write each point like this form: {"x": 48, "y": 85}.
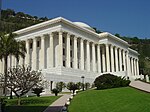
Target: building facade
{"x": 66, "y": 51}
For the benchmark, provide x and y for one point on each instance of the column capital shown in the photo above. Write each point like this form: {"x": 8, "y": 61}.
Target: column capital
{"x": 119, "y": 48}
{"x": 93, "y": 44}
{"x": 107, "y": 45}
{"x": 51, "y": 34}
{"x": 42, "y": 36}
{"x": 87, "y": 41}
{"x": 75, "y": 37}
{"x": 111, "y": 45}
{"x": 124, "y": 50}
{"x": 27, "y": 40}
{"x": 116, "y": 47}
{"x": 60, "y": 32}
{"x": 68, "y": 34}
{"x": 81, "y": 39}
{"x": 98, "y": 44}
{"x": 35, "y": 38}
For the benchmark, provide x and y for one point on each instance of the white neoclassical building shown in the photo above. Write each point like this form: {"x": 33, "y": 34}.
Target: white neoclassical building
{"x": 66, "y": 50}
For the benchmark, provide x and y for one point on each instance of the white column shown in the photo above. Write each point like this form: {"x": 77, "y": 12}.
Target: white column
{"x": 75, "y": 59}
{"x": 120, "y": 60}
{"x": 13, "y": 61}
{"x": 128, "y": 68}
{"x": 124, "y": 60}
{"x": 112, "y": 58}
{"x": 99, "y": 58}
{"x": 1, "y": 66}
{"x": 51, "y": 51}
{"x": 60, "y": 63}
{"x": 137, "y": 67}
{"x": 42, "y": 52}
{"x": 34, "y": 54}
{"x": 20, "y": 61}
{"x": 107, "y": 58}
{"x": 88, "y": 56}
{"x": 103, "y": 59}
{"x": 93, "y": 57}
{"x": 8, "y": 62}
{"x": 116, "y": 58}
{"x": 132, "y": 66}
{"x": 27, "y": 53}
{"x": 2, "y": 71}
{"x": 68, "y": 51}
{"x": 82, "y": 53}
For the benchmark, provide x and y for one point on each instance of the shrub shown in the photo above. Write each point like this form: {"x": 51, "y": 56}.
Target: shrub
{"x": 79, "y": 84}
{"x": 72, "y": 86}
{"x": 106, "y": 81}
{"x": 55, "y": 91}
{"x": 60, "y": 86}
{"x": 87, "y": 85}
{"x": 69, "y": 85}
{"x": 3, "y": 104}
{"x": 37, "y": 91}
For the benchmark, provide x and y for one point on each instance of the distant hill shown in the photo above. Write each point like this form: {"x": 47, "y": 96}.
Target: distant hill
{"x": 12, "y": 21}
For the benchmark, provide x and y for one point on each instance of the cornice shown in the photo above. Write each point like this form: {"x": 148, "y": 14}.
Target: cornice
{"x": 106, "y": 34}
{"x": 52, "y": 21}
{"x": 133, "y": 51}
{"x": 63, "y": 20}
{"x": 40, "y": 25}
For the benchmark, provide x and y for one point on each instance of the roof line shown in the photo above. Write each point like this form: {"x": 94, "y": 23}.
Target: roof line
{"x": 106, "y": 34}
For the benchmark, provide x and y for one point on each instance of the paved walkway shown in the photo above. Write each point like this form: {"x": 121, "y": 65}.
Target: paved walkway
{"x": 58, "y": 104}
{"x": 140, "y": 85}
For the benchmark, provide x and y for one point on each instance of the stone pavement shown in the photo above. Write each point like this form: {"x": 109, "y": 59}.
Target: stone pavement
{"x": 140, "y": 85}
{"x": 58, "y": 104}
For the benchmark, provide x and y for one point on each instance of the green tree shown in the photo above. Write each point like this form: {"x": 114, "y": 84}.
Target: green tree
{"x": 69, "y": 85}
{"x": 79, "y": 84}
{"x": 55, "y": 91}
{"x": 72, "y": 86}
{"x": 37, "y": 91}
{"x": 10, "y": 46}
{"x": 60, "y": 86}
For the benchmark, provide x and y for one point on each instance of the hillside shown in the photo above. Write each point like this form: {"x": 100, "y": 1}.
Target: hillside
{"x": 12, "y": 21}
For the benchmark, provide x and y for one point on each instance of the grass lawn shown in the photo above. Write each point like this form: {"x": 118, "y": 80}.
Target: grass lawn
{"x": 30, "y": 104}
{"x": 111, "y": 100}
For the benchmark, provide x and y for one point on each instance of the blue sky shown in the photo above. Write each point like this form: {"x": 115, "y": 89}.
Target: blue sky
{"x": 126, "y": 17}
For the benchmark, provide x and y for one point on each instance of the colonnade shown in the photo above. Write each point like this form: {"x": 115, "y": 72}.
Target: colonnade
{"x": 75, "y": 52}
{"x": 134, "y": 66}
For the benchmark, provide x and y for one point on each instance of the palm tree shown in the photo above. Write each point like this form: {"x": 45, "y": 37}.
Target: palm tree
{"x": 10, "y": 46}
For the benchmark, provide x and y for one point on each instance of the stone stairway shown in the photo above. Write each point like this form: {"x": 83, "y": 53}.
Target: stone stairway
{"x": 140, "y": 85}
